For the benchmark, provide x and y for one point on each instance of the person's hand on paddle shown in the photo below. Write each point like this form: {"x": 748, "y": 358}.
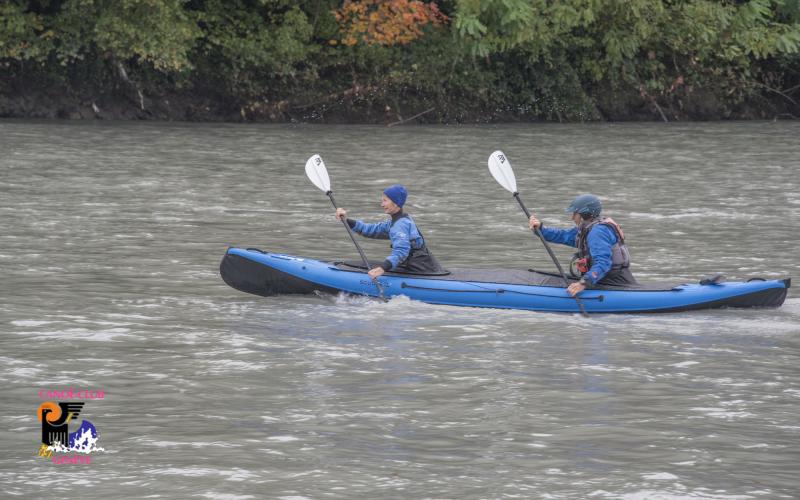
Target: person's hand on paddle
{"x": 576, "y": 288}
{"x": 341, "y": 214}
{"x": 501, "y": 170}
{"x": 375, "y": 271}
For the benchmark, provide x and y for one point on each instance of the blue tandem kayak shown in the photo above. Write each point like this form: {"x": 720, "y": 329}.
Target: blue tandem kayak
{"x": 264, "y": 273}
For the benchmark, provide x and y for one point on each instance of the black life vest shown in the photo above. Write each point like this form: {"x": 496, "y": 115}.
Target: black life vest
{"x": 419, "y": 260}
{"x": 582, "y": 261}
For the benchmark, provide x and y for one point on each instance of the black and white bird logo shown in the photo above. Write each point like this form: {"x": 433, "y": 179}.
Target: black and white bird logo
{"x": 55, "y": 420}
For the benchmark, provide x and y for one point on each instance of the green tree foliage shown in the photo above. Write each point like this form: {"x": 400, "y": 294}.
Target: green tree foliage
{"x": 154, "y": 33}
{"x": 22, "y": 33}
{"x": 247, "y": 43}
{"x": 510, "y": 59}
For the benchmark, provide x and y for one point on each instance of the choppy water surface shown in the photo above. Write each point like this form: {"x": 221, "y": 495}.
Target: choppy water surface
{"x": 110, "y": 238}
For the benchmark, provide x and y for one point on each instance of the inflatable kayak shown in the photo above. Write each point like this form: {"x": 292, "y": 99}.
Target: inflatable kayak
{"x": 264, "y": 273}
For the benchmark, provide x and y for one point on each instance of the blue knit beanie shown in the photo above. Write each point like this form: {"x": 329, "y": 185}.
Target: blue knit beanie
{"x": 397, "y": 194}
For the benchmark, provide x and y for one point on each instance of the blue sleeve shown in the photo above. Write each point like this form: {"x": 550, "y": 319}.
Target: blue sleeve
{"x": 563, "y": 236}
{"x": 400, "y": 235}
{"x": 601, "y": 238}
{"x": 379, "y": 230}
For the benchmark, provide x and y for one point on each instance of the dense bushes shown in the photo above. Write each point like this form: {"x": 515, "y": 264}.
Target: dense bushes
{"x": 373, "y": 60}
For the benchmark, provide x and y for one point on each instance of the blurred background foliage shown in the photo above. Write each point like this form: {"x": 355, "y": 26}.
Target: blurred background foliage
{"x": 376, "y": 61}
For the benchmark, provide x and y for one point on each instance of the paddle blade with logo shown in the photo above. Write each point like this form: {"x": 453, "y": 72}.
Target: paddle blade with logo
{"x": 316, "y": 171}
{"x": 501, "y": 170}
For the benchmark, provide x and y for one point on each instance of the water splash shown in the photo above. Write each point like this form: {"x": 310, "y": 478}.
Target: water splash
{"x": 83, "y": 440}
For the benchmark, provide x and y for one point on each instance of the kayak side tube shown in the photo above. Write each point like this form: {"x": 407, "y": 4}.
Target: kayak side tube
{"x": 262, "y": 273}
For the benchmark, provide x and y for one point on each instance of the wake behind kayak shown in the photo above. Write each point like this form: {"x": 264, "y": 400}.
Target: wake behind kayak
{"x": 266, "y": 274}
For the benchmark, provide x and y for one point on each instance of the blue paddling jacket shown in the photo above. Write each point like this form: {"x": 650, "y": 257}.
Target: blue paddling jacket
{"x": 409, "y": 253}
{"x": 602, "y": 243}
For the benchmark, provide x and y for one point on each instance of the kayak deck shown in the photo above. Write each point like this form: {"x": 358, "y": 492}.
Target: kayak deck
{"x": 263, "y": 273}
{"x": 530, "y": 277}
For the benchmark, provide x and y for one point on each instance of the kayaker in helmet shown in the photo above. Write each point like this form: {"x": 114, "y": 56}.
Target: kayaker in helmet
{"x": 602, "y": 257}
{"x": 409, "y": 252}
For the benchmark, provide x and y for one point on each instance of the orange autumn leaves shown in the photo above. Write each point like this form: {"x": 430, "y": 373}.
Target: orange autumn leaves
{"x": 385, "y": 22}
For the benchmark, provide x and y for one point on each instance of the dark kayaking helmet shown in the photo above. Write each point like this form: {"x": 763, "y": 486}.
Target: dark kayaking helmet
{"x": 585, "y": 204}
{"x": 397, "y": 193}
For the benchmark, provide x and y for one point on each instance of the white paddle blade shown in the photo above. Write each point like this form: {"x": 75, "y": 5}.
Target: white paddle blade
{"x": 316, "y": 171}
{"x": 501, "y": 170}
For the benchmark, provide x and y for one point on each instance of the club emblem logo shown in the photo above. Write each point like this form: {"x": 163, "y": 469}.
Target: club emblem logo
{"x": 56, "y": 417}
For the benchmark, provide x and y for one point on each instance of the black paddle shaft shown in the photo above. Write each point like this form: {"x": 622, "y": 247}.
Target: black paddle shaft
{"x": 538, "y": 233}
{"x": 358, "y": 247}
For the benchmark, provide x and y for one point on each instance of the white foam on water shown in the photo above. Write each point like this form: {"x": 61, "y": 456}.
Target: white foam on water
{"x": 102, "y": 323}
{"x": 26, "y": 372}
{"x": 601, "y": 368}
{"x": 229, "y": 365}
{"x": 333, "y": 353}
{"x": 162, "y": 444}
{"x": 727, "y": 381}
{"x": 369, "y": 414}
{"x": 182, "y": 471}
{"x": 210, "y": 208}
{"x": 659, "y": 476}
{"x": 685, "y": 363}
{"x": 299, "y": 417}
{"x": 346, "y": 299}
{"x": 680, "y": 494}
{"x": 224, "y": 496}
{"x": 475, "y": 328}
{"x": 110, "y": 335}
{"x": 30, "y": 322}
{"x": 283, "y": 439}
{"x": 723, "y": 413}
{"x": 193, "y": 444}
{"x": 692, "y": 213}
{"x": 662, "y": 495}
{"x": 238, "y": 475}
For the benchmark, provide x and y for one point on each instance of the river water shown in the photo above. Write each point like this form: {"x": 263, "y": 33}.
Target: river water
{"x": 110, "y": 240}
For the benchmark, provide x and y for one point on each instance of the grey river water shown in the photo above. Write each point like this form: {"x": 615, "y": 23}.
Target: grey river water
{"x": 110, "y": 240}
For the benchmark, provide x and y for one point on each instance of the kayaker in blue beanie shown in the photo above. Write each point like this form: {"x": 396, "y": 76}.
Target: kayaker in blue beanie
{"x": 602, "y": 257}
{"x": 409, "y": 252}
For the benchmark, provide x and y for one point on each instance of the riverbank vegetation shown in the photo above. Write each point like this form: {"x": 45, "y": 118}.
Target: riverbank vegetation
{"x": 373, "y": 61}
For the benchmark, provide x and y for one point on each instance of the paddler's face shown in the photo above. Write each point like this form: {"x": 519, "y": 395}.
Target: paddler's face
{"x": 576, "y": 218}
{"x": 388, "y": 206}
